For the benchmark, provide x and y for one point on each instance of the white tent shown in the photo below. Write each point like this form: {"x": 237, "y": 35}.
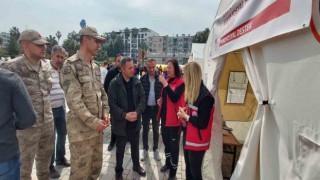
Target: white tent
{"x": 280, "y": 45}
{"x": 197, "y": 53}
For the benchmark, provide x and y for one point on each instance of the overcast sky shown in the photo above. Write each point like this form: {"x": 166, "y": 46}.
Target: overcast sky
{"x": 166, "y": 17}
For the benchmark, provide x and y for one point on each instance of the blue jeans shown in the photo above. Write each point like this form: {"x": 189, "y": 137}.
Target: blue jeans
{"x": 61, "y": 131}
{"x": 10, "y": 169}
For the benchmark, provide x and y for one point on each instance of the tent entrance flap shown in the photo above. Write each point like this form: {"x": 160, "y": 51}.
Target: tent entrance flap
{"x": 237, "y": 99}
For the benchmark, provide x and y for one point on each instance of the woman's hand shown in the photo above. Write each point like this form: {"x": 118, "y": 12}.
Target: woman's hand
{"x": 182, "y": 114}
{"x": 163, "y": 80}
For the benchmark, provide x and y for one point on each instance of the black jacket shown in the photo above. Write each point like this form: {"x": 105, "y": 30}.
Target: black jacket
{"x": 118, "y": 103}
{"x": 146, "y": 86}
{"x": 110, "y": 75}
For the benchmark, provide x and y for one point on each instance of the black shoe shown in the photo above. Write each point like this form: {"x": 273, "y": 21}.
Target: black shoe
{"x": 172, "y": 178}
{"x": 54, "y": 173}
{"x": 164, "y": 168}
{"x": 119, "y": 177}
{"x": 64, "y": 163}
{"x": 140, "y": 171}
{"x": 110, "y": 147}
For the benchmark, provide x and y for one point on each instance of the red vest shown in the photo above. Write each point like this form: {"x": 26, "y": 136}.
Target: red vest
{"x": 173, "y": 108}
{"x": 197, "y": 139}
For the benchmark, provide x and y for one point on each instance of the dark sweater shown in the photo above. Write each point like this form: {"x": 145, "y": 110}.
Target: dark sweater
{"x": 16, "y": 112}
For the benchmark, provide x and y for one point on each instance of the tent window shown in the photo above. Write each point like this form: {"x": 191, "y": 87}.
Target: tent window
{"x": 237, "y": 87}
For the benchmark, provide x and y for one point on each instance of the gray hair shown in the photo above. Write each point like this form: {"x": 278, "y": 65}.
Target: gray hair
{"x": 56, "y": 48}
{"x": 151, "y": 60}
{"x": 124, "y": 61}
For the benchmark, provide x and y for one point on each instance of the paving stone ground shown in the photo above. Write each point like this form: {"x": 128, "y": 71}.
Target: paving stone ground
{"x": 151, "y": 166}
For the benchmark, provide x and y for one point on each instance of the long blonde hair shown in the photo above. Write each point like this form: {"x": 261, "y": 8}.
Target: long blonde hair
{"x": 192, "y": 79}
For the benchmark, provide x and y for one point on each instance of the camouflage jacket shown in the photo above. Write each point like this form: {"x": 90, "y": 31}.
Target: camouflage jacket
{"x": 38, "y": 84}
{"x": 86, "y": 98}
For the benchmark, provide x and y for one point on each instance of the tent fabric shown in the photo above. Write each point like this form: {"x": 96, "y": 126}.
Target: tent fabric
{"x": 197, "y": 50}
{"x": 284, "y": 140}
{"x": 281, "y": 58}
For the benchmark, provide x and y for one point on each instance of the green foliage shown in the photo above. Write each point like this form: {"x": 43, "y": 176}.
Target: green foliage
{"x": 71, "y": 44}
{"x": 201, "y": 37}
{"x": 13, "y": 48}
{"x": 3, "y": 53}
{"x": 143, "y": 45}
{"x": 52, "y": 40}
{"x": 126, "y": 34}
{"x": 135, "y": 32}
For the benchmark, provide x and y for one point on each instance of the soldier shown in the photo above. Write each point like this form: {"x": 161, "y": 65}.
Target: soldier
{"x": 80, "y": 79}
{"x": 37, "y": 141}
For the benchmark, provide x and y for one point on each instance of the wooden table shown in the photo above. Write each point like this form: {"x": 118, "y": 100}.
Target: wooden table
{"x": 231, "y": 141}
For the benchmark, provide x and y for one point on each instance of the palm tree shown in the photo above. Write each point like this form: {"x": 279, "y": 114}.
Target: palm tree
{"x": 113, "y": 36}
{"x": 126, "y": 34}
{"x": 58, "y": 35}
{"x": 135, "y": 32}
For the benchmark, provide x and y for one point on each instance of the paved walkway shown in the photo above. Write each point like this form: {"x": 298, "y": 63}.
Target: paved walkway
{"x": 151, "y": 166}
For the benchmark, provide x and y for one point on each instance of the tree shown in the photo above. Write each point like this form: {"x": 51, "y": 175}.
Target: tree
{"x": 58, "y": 35}
{"x": 13, "y": 48}
{"x": 1, "y": 41}
{"x": 71, "y": 44}
{"x": 201, "y": 37}
{"x": 143, "y": 45}
{"x": 52, "y": 40}
{"x": 126, "y": 34}
{"x": 3, "y": 53}
{"x": 135, "y": 32}
{"x": 113, "y": 36}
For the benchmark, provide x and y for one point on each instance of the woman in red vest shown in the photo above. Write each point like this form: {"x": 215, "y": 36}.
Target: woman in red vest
{"x": 172, "y": 97}
{"x": 197, "y": 116}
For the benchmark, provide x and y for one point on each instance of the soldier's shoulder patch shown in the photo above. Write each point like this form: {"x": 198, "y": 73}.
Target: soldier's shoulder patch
{"x": 66, "y": 70}
{"x": 78, "y": 65}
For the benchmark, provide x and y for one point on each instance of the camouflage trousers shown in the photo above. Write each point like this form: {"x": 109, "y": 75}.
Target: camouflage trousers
{"x": 86, "y": 158}
{"x": 36, "y": 143}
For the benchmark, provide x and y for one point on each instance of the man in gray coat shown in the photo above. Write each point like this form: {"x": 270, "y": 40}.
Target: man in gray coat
{"x": 16, "y": 113}
{"x": 127, "y": 102}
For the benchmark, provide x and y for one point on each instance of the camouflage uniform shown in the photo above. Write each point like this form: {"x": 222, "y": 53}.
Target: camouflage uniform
{"x": 88, "y": 104}
{"x": 37, "y": 141}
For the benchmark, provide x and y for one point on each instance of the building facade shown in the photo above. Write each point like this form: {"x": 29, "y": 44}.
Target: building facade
{"x": 5, "y": 39}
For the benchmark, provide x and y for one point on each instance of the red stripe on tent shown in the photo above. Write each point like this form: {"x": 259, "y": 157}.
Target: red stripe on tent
{"x": 314, "y": 30}
{"x": 273, "y": 11}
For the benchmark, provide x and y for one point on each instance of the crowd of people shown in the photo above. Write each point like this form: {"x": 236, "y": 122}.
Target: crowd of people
{"x": 34, "y": 111}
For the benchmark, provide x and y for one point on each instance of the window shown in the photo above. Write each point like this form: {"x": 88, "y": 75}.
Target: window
{"x": 237, "y": 87}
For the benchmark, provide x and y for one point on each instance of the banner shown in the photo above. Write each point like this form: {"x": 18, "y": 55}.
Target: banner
{"x": 247, "y": 22}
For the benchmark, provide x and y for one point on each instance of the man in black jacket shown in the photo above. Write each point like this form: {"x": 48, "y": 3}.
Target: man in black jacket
{"x": 127, "y": 102}
{"x": 152, "y": 89}
{"x": 112, "y": 73}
